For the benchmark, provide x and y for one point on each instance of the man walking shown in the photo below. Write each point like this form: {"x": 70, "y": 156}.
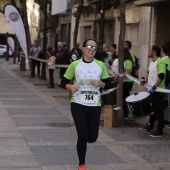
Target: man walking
{"x": 156, "y": 78}
{"x": 35, "y": 52}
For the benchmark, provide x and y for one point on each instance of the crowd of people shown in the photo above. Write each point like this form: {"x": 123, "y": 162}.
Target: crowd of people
{"x": 93, "y": 68}
{"x": 156, "y": 76}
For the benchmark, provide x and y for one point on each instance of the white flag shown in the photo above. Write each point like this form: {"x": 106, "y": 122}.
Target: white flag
{"x": 11, "y": 43}
{"x": 17, "y": 24}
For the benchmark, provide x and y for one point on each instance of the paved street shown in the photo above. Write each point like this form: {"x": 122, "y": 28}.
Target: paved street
{"x": 37, "y": 131}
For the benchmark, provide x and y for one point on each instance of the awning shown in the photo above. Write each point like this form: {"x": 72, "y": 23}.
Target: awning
{"x": 151, "y": 2}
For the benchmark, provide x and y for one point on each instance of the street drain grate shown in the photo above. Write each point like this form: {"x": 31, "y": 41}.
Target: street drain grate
{"x": 40, "y": 84}
{"x": 61, "y": 97}
{"x": 61, "y": 125}
{"x": 24, "y": 75}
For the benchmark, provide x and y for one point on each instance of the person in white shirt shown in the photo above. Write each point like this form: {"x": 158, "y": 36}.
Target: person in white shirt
{"x": 107, "y": 59}
{"x": 156, "y": 78}
{"x": 51, "y": 67}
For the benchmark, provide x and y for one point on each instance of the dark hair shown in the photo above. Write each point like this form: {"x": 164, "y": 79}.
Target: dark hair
{"x": 156, "y": 49}
{"x": 128, "y": 43}
{"x": 50, "y": 50}
{"x": 101, "y": 55}
{"x": 85, "y": 42}
{"x": 114, "y": 46}
{"x": 166, "y": 47}
{"x": 127, "y": 55}
{"x": 114, "y": 56}
{"x": 100, "y": 48}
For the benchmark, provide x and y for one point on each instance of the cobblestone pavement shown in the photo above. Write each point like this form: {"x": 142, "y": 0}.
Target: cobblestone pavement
{"x": 37, "y": 131}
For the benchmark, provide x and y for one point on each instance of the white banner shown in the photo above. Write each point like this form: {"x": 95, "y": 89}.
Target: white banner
{"x": 11, "y": 43}
{"x": 16, "y": 22}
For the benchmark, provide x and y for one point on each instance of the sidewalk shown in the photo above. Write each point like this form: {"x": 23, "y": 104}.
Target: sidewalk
{"x": 37, "y": 131}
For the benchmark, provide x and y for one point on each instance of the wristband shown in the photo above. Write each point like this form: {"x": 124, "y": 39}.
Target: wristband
{"x": 154, "y": 87}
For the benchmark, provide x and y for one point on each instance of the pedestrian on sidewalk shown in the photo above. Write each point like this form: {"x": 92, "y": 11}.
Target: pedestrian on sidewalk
{"x": 107, "y": 59}
{"x": 76, "y": 53}
{"x": 127, "y": 84}
{"x": 89, "y": 76}
{"x": 35, "y": 51}
{"x": 62, "y": 57}
{"x": 51, "y": 67}
{"x": 156, "y": 78}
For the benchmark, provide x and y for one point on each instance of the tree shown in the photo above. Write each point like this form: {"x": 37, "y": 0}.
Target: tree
{"x": 121, "y": 60}
{"x": 78, "y": 15}
{"x": 26, "y": 24}
{"x": 25, "y": 20}
{"x": 14, "y": 3}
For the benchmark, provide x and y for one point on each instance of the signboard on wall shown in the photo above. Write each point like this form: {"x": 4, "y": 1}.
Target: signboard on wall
{"x": 58, "y": 6}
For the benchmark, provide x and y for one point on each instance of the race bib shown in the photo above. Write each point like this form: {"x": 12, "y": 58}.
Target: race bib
{"x": 89, "y": 97}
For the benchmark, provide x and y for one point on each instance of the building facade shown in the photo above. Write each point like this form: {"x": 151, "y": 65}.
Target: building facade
{"x": 33, "y": 19}
{"x": 146, "y": 25}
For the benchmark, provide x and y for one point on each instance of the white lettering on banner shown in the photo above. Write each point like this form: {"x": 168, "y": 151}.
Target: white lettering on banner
{"x": 17, "y": 24}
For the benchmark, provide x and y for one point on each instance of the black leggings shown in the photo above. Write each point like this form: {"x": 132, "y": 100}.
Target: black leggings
{"x": 86, "y": 119}
{"x": 51, "y": 80}
{"x": 158, "y": 105}
{"x": 34, "y": 64}
{"x": 127, "y": 87}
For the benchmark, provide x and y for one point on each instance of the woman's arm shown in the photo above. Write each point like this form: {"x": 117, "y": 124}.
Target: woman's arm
{"x": 70, "y": 87}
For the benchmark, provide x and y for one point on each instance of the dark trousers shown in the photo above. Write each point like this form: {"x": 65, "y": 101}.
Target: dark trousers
{"x": 86, "y": 119}
{"x": 127, "y": 87}
{"x": 158, "y": 106}
{"x": 62, "y": 72}
{"x": 51, "y": 76}
{"x": 34, "y": 64}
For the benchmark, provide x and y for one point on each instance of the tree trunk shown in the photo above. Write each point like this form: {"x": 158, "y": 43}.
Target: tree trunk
{"x": 78, "y": 15}
{"x": 121, "y": 60}
{"x": 27, "y": 31}
{"x": 16, "y": 50}
{"x": 13, "y": 2}
{"x": 26, "y": 25}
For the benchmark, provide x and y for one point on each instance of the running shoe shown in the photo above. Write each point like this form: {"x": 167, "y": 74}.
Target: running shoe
{"x": 167, "y": 126}
{"x": 82, "y": 167}
{"x": 143, "y": 128}
{"x": 148, "y": 128}
{"x": 157, "y": 134}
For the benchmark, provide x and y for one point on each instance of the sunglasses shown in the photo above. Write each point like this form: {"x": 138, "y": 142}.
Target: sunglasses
{"x": 89, "y": 47}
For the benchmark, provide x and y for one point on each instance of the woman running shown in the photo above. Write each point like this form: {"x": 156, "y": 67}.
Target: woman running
{"x": 89, "y": 76}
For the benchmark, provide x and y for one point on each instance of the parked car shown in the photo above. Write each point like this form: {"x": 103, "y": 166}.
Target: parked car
{"x": 3, "y": 50}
